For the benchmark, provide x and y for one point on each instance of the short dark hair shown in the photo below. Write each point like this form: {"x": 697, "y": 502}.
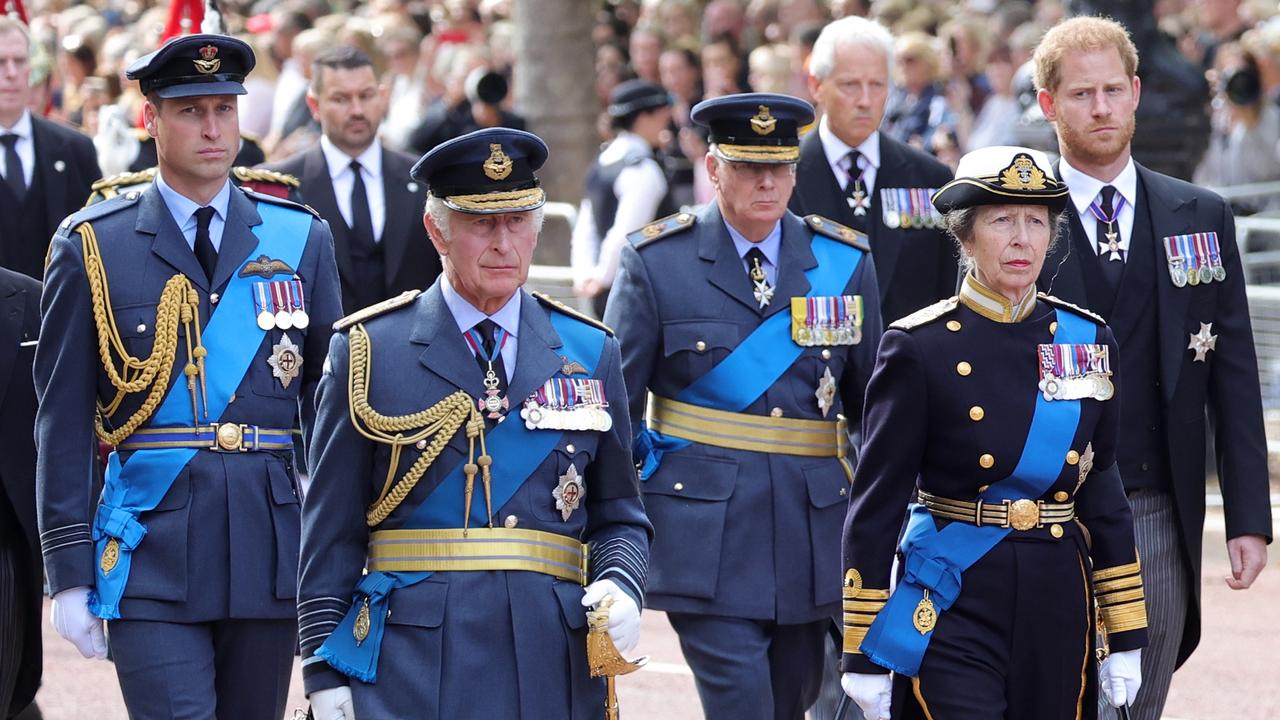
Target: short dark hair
{"x": 341, "y": 57}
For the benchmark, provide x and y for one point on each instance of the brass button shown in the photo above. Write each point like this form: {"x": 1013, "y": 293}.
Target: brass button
{"x": 963, "y": 368}
{"x": 570, "y": 449}
{"x": 700, "y": 346}
{"x": 510, "y": 522}
{"x": 1053, "y": 327}
{"x": 986, "y": 460}
{"x": 678, "y": 487}
{"x": 826, "y": 354}
{"x": 976, "y": 413}
{"x": 776, "y": 412}
{"x": 133, "y": 195}
{"x": 142, "y": 327}
{"x": 1061, "y": 496}
{"x": 421, "y": 444}
{"x": 1073, "y": 457}
{"x": 214, "y": 298}
{"x": 983, "y": 489}
{"x": 1055, "y": 530}
{"x": 953, "y": 325}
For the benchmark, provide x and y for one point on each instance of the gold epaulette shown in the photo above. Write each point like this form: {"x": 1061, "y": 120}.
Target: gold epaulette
{"x": 663, "y": 227}
{"x": 248, "y": 174}
{"x": 566, "y": 310}
{"x": 251, "y": 137}
{"x": 1060, "y": 303}
{"x": 141, "y": 134}
{"x": 107, "y": 188}
{"x": 836, "y": 231}
{"x": 927, "y": 314}
{"x": 376, "y": 309}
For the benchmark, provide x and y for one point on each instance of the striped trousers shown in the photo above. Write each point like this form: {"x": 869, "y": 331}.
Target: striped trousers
{"x": 13, "y": 623}
{"x": 1167, "y": 587}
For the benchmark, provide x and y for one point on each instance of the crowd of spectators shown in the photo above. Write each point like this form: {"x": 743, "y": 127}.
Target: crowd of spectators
{"x": 961, "y": 74}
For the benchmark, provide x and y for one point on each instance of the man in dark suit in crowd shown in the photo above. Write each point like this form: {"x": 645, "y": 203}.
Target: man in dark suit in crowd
{"x": 362, "y": 188}
{"x": 852, "y": 173}
{"x": 47, "y": 168}
{"x": 21, "y": 579}
{"x": 1157, "y": 258}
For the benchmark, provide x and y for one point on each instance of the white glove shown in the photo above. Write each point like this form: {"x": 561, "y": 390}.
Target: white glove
{"x": 624, "y": 615}
{"x": 73, "y": 621}
{"x": 871, "y": 692}
{"x": 1120, "y": 676}
{"x": 333, "y": 704}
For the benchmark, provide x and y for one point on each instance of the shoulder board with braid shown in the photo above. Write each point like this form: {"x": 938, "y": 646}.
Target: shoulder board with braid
{"x": 377, "y": 309}
{"x": 926, "y": 315}
{"x": 100, "y": 209}
{"x": 248, "y": 174}
{"x": 1060, "y": 303}
{"x": 664, "y": 227}
{"x": 282, "y": 202}
{"x": 566, "y": 310}
{"x": 110, "y": 187}
{"x": 836, "y": 231}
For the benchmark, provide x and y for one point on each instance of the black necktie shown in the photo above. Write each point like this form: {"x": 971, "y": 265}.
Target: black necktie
{"x": 14, "y": 176}
{"x": 488, "y": 331}
{"x": 361, "y": 218}
{"x": 1112, "y": 269}
{"x": 205, "y": 253}
{"x": 760, "y": 286}
{"x": 856, "y": 194}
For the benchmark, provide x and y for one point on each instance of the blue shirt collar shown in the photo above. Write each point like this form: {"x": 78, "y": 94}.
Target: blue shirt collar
{"x": 768, "y": 246}
{"x": 183, "y": 208}
{"x": 467, "y": 315}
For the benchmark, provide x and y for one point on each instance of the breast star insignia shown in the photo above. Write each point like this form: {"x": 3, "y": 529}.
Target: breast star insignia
{"x": 1203, "y": 341}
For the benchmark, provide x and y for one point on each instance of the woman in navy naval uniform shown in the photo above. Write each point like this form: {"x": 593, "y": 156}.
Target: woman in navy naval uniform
{"x": 990, "y": 417}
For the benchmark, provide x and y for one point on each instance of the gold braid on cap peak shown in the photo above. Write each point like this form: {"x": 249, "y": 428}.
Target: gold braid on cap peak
{"x": 498, "y": 201}
{"x": 179, "y": 302}
{"x": 439, "y": 422}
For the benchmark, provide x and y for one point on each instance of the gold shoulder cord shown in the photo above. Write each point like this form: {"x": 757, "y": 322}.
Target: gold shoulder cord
{"x": 179, "y": 302}
{"x": 439, "y": 422}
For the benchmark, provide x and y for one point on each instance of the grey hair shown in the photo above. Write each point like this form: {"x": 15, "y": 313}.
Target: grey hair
{"x": 439, "y": 214}
{"x": 851, "y": 30}
{"x": 959, "y": 225}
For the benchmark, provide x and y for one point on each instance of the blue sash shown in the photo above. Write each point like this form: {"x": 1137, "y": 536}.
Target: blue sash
{"x": 934, "y": 560}
{"x": 757, "y": 363}
{"x": 232, "y": 339}
{"x": 517, "y": 452}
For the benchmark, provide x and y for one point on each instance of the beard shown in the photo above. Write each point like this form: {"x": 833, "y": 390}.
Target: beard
{"x": 1079, "y": 144}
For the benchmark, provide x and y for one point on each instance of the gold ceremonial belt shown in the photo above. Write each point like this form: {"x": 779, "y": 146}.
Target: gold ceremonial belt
{"x": 1021, "y": 514}
{"x": 455, "y": 549}
{"x": 757, "y": 433}
{"x": 223, "y": 437}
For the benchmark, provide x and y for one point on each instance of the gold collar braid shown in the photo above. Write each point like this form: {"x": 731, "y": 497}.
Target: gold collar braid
{"x": 179, "y": 302}
{"x": 439, "y": 423}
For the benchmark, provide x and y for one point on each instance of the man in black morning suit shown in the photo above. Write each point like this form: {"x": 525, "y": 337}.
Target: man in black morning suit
{"x": 1157, "y": 258}
{"x": 849, "y": 78}
{"x": 379, "y": 240}
{"x": 21, "y": 579}
{"x": 58, "y": 165}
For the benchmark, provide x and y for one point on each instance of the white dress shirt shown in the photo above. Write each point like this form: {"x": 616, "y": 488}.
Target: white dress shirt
{"x": 25, "y": 147}
{"x": 183, "y": 209}
{"x": 467, "y": 315}
{"x": 342, "y": 178}
{"x": 837, "y": 152}
{"x": 1085, "y": 189}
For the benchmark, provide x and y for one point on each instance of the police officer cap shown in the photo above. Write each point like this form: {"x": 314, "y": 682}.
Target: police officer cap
{"x": 194, "y": 65}
{"x": 486, "y": 171}
{"x": 1002, "y": 175}
{"x": 755, "y": 127}
{"x": 633, "y": 96}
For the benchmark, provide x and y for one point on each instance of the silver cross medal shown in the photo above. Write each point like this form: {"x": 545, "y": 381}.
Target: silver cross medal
{"x": 761, "y": 290}
{"x": 859, "y": 201}
{"x": 1113, "y": 245}
{"x": 1203, "y": 341}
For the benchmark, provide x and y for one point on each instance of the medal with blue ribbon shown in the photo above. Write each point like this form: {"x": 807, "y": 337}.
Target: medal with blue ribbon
{"x": 492, "y": 404}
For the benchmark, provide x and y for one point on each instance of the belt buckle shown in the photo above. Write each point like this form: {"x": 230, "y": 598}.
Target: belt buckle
{"x": 1023, "y": 514}
{"x": 229, "y": 437}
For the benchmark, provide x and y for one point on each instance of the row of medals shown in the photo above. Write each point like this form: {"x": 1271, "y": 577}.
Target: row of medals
{"x": 1204, "y": 274}
{"x": 284, "y": 319}
{"x": 833, "y": 335}
{"x": 1094, "y": 385}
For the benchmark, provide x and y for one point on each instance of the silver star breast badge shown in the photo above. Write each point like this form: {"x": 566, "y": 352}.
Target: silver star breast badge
{"x": 826, "y": 392}
{"x": 1203, "y": 341}
{"x": 569, "y": 492}
{"x": 285, "y": 360}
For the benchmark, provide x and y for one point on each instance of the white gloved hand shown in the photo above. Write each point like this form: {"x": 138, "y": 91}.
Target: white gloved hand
{"x": 871, "y": 692}
{"x": 1120, "y": 676}
{"x": 73, "y": 621}
{"x": 624, "y": 615}
{"x": 333, "y": 704}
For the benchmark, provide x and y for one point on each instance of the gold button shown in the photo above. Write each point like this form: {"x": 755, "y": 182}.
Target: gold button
{"x": 976, "y": 413}
{"x": 826, "y": 354}
{"x": 964, "y": 368}
{"x": 983, "y": 489}
{"x": 570, "y": 449}
{"x": 953, "y": 325}
{"x": 1061, "y": 496}
{"x": 678, "y": 487}
{"x": 1055, "y": 530}
{"x": 214, "y": 298}
{"x": 421, "y": 444}
{"x": 776, "y": 412}
{"x": 511, "y": 521}
{"x": 1073, "y": 457}
{"x": 1053, "y": 327}
{"x": 700, "y": 346}
{"x": 986, "y": 460}
{"x": 142, "y": 327}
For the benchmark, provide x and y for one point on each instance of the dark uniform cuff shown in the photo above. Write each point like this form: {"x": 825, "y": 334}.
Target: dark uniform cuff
{"x": 68, "y": 557}
{"x": 619, "y": 560}
{"x": 859, "y": 663}
{"x": 1121, "y": 601}
{"x": 319, "y": 675}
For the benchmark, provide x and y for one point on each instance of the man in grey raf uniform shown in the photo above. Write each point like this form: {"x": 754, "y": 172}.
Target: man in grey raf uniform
{"x": 194, "y": 316}
{"x": 472, "y": 441}
{"x": 750, "y": 333}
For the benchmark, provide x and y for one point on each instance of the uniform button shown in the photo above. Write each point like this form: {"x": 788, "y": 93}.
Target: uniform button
{"x": 678, "y": 487}
{"x": 133, "y": 195}
{"x": 421, "y": 444}
{"x": 1061, "y": 496}
{"x": 1144, "y": 466}
{"x": 1055, "y": 530}
{"x": 232, "y": 398}
{"x": 844, "y": 492}
{"x": 700, "y": 346}
{"x": 983, "y": 489}
{"x": 214, "y": 298}
{"x": 570, "y": 449}
{"x": 776, "y": 412}
{"x": 963, "y": 368}
{"x": 976, "y": 413}
{"x": 986, "y": 460}
{"x": 1053, "y": 327}
{"x": 1153, "y": 428}
{"x": 510, "y": 522}
{"x": 1073, "y": 457}
{"x": 142, "y": 327}
{"x": 826, "y": 354}
{"x": 953, "y": 325}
